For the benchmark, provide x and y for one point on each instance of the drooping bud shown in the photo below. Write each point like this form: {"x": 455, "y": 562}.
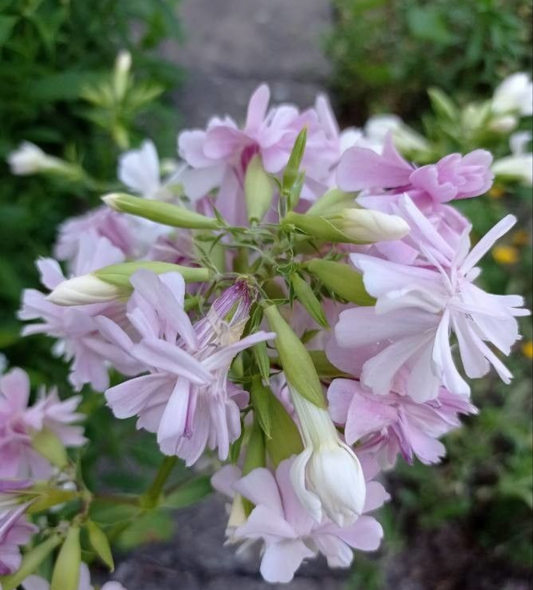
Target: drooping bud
{"x": 113, "y": 282}
{"x": 341, "y": 279}
{"x": 160, "y": 212}
{"x": 66, "y": 575}
{"x": 258, "y": 189}
{"x": 327, "y": 476}
{"x": 355, "y": 226}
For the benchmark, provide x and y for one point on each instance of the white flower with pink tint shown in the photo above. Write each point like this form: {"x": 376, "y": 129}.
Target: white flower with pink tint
{"x": 418, "y": 308}
{"x": 219, "y": 156}
{"x": 15, "y": 531}
{"x": 75, "y": 328}
{"x": 386, "y": 425}
{"x": 289, "y": 534}
{"x": 186, "y": 397}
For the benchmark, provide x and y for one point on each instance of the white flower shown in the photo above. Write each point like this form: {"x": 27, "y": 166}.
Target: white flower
{"x": 514, "y": 95}
{"x": 139, "y": 170}
{"x": 518, "y": 166}
{"x": 327, "y": 476}
{"x": 30, "y": 159}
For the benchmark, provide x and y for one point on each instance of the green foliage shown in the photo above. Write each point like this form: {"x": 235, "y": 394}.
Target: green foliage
{"x": 386, "y": 53}
{"x": 56, "y": 89}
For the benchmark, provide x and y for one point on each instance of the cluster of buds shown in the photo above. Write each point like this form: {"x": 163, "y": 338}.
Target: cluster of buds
{"x": 282, "y": 302}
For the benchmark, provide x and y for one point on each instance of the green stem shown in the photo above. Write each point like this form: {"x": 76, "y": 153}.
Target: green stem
{"x": 153, "y": 494}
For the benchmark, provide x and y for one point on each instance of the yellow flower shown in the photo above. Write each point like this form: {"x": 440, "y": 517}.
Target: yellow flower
{"x": 505, "y": 254}
{"x": 527, "y": 349}
{"x": 496, "y": 192}
{"x": 521, "y": 238}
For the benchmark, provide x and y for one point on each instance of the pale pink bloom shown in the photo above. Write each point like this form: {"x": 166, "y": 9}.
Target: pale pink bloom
{"x": 38, "y": 583}
{"x": 15, "y": 531}
{"x": 418, "y": 308}
{"x": 289, "y": 534}
{"x": 19, "y": 423}
{"x": 221, "y": 153}
{"x": 186, "y": 397}
{"x": 453, "y": 177}
{"x": 386, "y": 425}
{"x": 75, "y": 327}
{"x": 100, "y": 222}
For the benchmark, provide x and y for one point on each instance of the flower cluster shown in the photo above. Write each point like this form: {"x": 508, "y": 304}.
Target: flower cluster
{"x": 299, "y": 303}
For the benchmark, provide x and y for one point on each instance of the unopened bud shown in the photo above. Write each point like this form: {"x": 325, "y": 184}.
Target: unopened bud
{"x": 295, "y": 360}
{"x": 30, "y": 159}
{"x": 121, "y": 75}
{"x": 258, "y": 189}
{"x": 160, "y": 212}
{"x": 66, "y": 575}
{"x": 342, "y": 280}
{"x": 113, "y": 282}
{"x": 355, "y": 226}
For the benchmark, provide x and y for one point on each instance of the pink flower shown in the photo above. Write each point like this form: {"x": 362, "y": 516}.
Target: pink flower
{"x": 15, "y": 531}
{"x": 417, "y": 308}
{"x": 186, "y": 397}
{"x": 19, "y": 423}
{"x": 453, "y": 177}
{"x": 289, "y": 534}
{"x": 386, "y": 425}
{"x": 75, "y": 327}
{"x": 222, "y": 152}
{"x": 101, "y": 222}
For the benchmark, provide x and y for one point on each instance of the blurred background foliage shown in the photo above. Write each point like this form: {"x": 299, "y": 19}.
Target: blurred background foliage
{"x": 56, "y": 61}
{"x": 56, "y": 90}
{"x": 386, "y": 53}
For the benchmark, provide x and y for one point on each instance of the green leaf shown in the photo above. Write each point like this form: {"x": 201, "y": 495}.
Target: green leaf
{"x": 429, "y": 24}
{"x": 189, "y": 493}
{"x": 151, "y": 527}
{"x": 6, "y": 27}
{"x": 262, "y": 359}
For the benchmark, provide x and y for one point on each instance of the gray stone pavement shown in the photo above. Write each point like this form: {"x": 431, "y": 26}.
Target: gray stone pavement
{"x": 231, "y": 46}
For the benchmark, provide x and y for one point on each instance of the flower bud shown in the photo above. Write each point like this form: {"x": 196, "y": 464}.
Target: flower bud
{"x": 327, "y": 476}
{"x": 518, "y": 167}
{"x": 66, "y": 575}
{"x": 121, "y": 74}
{"x": 341, "y": 279}
{"x": 49, "y": 445}
{"x": 350, "y": 226}
{"x": 333, "y": 200}
{"x": 30, "y": 159}
{"x": 84, "y": 290}
{"x": 113, "y": 282}
{"x": 160, "y": 212}
{"x": 295, "y": 360}
{"x": 258, "y": 189}
{"x": 503, "y": 124}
